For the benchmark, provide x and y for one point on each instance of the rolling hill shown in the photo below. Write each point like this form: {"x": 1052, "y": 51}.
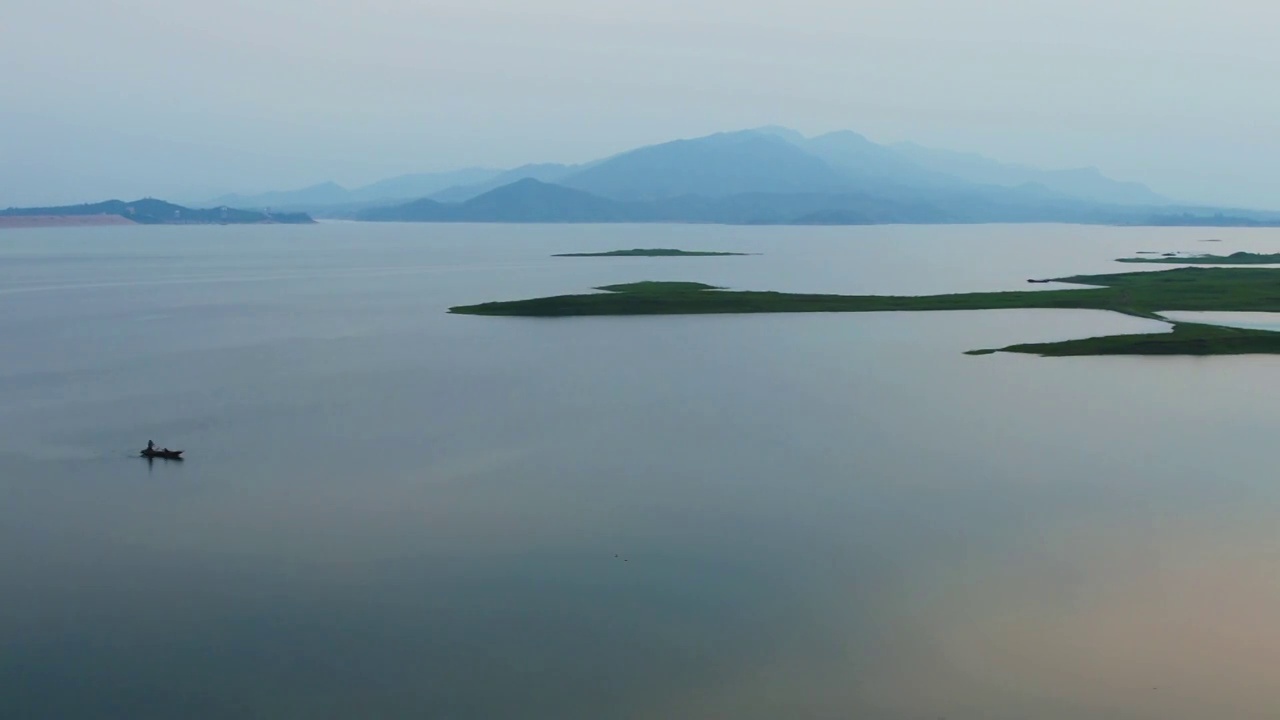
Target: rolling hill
{"x": 713, "y": 166}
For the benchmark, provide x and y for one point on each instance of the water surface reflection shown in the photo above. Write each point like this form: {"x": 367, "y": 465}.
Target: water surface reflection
{"x": 393, "y": 512}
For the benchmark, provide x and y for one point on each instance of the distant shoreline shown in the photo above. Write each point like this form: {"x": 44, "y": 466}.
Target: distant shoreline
{"x": 37, "y": 221}
{"x": 147, "y": 211}
{"x": 51, "y": 221}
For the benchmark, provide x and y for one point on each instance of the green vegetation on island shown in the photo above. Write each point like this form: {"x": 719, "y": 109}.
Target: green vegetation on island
{"x": 650, "y": 252}
{"x": 1141, "y": 294}
{"x": 1236, "y": 258}
{"x": 1186, "y": 339}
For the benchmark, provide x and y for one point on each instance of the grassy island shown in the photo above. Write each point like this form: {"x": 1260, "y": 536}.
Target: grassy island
{"x": 1238, "y": 258}
{"x": 1142, "y": 294}
{"x": 650, "y": 252}
{"x": 1186, "y": 339}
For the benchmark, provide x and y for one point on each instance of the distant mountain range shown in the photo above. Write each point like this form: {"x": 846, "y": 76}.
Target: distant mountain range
{"x": 328, "y": 195}
{"x": 768, "y": 175}
{"x": 533, "y": 201}
{"x": 767, "y": 159}
{"x": 157, "y": 212}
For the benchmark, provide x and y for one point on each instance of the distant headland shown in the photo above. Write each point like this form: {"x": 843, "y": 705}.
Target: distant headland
{"x": 147, "y": 211}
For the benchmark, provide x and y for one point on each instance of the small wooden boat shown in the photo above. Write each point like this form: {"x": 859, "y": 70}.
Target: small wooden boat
{"x": 162, "y": 453}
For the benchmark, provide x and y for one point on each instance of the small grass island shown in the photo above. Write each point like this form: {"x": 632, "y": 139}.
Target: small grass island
{"x": 1140, "y": 294}
{"x": 651, "y": 252}
{"x": 1237, "y": 258}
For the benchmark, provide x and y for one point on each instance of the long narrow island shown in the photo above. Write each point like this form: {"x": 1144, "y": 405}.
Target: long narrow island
{"x": 651, "y": 252}
{"x": 1236, "y": 258}
{"x": 1141, "y": 294}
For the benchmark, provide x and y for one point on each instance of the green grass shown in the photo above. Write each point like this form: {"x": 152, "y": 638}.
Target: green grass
{"x": 1238, "y": 258}
{"x": 1142, "y": 294}
{"x": 650, "y": 252}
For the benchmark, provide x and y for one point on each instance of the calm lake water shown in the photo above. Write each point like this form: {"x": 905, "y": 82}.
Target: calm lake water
{"x": 391, "y": 512}
{"x": 1247, "y": 320}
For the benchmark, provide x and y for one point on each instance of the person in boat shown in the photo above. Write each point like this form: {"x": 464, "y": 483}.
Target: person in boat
{"x": 151, "y": 447}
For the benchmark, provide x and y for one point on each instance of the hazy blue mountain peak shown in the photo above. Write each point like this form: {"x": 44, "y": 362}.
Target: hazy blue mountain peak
{"x": 795, "y": 137}
{"x": 716, "y": 165}
{"x": 844, "y": 136}
{"x": 546, "y": 172}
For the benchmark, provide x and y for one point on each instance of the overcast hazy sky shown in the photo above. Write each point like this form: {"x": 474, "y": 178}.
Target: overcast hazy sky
{"x": 184, "y": 99}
